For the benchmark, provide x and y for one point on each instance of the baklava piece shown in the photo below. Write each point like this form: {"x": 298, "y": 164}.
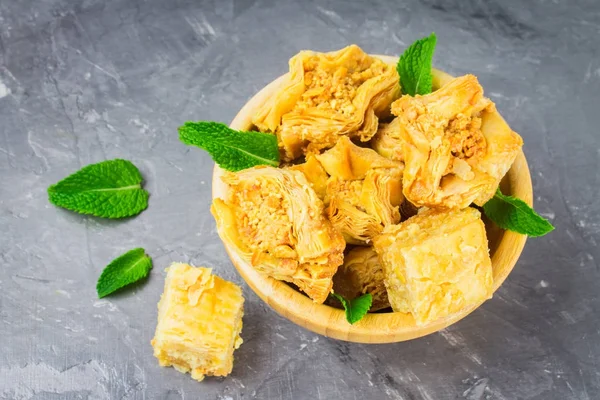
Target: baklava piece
{"x": 436, "y": 263}
{"x": 328, "y": 95}
{"x": 364, "y": 191}
{"x": 199, "y": 322}
{"x": 276, "y": 221}
{"x": 455, "y": 145}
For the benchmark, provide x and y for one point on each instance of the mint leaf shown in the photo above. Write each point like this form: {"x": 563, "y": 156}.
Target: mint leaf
{"x": 230, "y": 149}
{"x": 109, "y": 189}
{"x": 513, "y": 214}
{"x": 123, "y": 270}
{"x": 356, "y": 308}
{"x": 414, "y": 67}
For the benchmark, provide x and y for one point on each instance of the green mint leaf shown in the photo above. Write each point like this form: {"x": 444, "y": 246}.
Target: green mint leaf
{"x": 513, "y": 214}
{"x": 232, "y": 150}
{"x": 414, "y": 66}
{"x": 109, "y": 189}
{"x": 356, "y": 308}
{"x": 123, "y": 270}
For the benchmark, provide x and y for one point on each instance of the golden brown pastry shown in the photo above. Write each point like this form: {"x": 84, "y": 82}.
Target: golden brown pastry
{"x": 328, "y": 95}
{"x": 276, "y": 220}
{"x": 315, "y": 174}
{"x": 363, "y": 192}
{"x": 455, "y": 145}
{"x": 359, "y": 209}
{"x": 349, "y": 161}
{"x": 436, "y": 263}
{"x": 347, "y": 214}
{"x": 199, "y": 322}
{"x": 362, "y": 273}
{"x": 389, "y": 141}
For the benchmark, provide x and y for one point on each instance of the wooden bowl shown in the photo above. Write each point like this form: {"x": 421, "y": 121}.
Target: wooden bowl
{"x": 505, "y": 249}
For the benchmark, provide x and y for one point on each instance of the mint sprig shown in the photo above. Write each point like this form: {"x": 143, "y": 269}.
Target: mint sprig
{"x": 123, "y": 270}
{"x": 513, "y": 214}
{"x": 230, "y": 149}
{"x": 356, "y": 308}
{"x": 109, "y": 189}
{"x": 414, "y": 67}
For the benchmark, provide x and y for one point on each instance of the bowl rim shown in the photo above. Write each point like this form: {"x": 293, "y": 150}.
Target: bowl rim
{"x": 374, "y": 327}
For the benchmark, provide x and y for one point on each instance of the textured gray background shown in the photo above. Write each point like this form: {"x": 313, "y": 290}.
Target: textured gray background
{"x": 84, "y": 81}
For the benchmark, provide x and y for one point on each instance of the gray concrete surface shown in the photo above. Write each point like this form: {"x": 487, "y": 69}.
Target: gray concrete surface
{"x": 87, "y": 80}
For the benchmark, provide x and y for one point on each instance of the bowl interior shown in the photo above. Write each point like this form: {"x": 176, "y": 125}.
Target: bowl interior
{"x": 505, "y": 248}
